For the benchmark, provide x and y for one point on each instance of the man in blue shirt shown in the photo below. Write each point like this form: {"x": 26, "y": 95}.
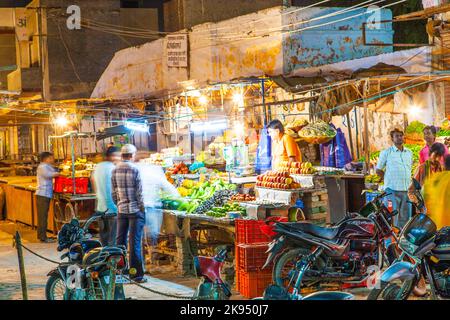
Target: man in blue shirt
{"x": 394, "y": 167}
{"x": 101, "y": 183}
{"x": 44, "y": 193}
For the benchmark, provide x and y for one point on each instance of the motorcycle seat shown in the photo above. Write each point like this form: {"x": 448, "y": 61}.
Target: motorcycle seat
{"x": 328, "y": 233}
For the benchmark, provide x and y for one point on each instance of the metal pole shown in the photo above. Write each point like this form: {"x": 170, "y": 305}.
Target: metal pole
{"x": 73, "y": 163}
{"x": 366, "y": 134}
{"x": 263, "y": 93}
{"x": 357, "y": 134}
{"x": 350, "y": 137}
{"x": 23, "y": 280}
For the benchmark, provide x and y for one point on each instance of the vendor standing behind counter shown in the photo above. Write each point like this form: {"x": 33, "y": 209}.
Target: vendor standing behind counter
{"x": 44, "y": 193}
{"x": 284, "y": 147}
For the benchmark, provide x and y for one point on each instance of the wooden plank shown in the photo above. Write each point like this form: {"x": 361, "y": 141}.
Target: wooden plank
{"x": 318, "y": 216}
{"x": 315, "y": 204}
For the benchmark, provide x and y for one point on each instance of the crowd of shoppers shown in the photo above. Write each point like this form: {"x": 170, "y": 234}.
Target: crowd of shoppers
{"x": 128, "y": 198}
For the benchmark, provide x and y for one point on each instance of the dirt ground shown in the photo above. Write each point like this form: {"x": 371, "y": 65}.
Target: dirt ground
{"x": 162, "y": 278}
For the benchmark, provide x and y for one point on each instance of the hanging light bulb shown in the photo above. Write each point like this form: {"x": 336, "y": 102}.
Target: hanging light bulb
{"x": 414, "y": 110}
{"x": 61, "y": 121}
{"x": 238, "y": 99}
{"x": 203, "y": 100}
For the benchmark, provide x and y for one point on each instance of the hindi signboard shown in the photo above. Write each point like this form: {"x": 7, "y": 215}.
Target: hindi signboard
{"x": 177, "y": 50}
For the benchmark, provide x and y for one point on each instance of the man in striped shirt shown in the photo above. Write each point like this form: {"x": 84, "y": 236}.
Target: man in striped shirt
{"x": 127, "y": 195}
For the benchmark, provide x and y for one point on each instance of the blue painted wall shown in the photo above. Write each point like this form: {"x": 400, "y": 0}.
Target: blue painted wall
{"x": 330, "y": 41}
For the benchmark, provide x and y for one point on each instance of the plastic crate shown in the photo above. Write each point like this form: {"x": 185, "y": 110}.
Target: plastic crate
{"x": 252, "y": 284}
{"x": 65, "y": 185}
{"x": 249, "y": 231}
{"x": 251, "y": 257}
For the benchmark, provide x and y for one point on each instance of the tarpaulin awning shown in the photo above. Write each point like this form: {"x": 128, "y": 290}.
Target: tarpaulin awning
{"x": 296, "y": 84}
{"x": 113, "y": 131}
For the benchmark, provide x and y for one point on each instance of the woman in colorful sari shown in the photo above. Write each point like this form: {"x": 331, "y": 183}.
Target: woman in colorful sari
{"x": 424, "y": 173}
{"x": 437, "y": 194}
{"x": 430, "y": 167}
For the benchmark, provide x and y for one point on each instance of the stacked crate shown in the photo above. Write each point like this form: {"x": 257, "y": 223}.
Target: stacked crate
{"x": 251, "y": 247}
{"x": 316, "y": 206}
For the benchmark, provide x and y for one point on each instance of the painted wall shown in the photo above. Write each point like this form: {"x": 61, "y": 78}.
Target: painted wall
{"x": 226, "y": 50}
{"x": 324, "y": 40}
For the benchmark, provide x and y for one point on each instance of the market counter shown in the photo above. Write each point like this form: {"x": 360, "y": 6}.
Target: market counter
{"x": 62, "y": 207}
{"x": 183, "y": 235}
{"x": 20, "y": 201}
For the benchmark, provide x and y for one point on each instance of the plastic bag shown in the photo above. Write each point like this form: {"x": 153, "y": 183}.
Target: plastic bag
{"x": 263, "y": 160}
{"x": 342, "y": 153}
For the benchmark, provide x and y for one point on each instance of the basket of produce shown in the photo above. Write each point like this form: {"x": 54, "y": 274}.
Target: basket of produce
{"x": 414, "y": 133}
{"x": 372, "y": 182}
{"x": 317, "y": 133}
{"x": 180, "y": 168}
{"x": 292, "y": 128}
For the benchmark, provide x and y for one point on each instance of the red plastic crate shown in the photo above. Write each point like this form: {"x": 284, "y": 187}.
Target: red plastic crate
{"x": 65, "y": 185}
{"x": 249, "y": 231}
{"x": 252, "y": 284}
{"x": 250, "y": 257}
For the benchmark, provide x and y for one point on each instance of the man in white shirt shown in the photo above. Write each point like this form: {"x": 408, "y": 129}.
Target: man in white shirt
{"x": 394, "y": 167}
{"x": 153, "y": 182}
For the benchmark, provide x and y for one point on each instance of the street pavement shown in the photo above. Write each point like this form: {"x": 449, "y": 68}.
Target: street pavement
{"x": 164, "y": 278}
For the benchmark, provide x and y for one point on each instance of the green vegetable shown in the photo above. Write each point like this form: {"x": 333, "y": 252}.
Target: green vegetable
{"x": 415, "y": 127}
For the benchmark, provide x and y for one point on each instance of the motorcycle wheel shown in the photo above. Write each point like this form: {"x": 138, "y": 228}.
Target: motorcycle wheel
{"x": 55, "y": 288}
{"x": 283, "y": 269}
{"x": 399, "y": 290}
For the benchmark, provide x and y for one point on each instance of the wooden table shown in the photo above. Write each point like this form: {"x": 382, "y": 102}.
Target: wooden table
{"x": 185, "y": 235}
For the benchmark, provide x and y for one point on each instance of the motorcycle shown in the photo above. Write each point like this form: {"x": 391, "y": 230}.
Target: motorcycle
{"x": 92, "y": 272}
{"x": 211, "y": 286}
{"x": 424, "y": 252}
{"x": 306, "y": 255}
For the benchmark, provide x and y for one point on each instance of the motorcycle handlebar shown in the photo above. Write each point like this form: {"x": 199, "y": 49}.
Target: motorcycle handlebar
{"x": 96, "y": 216}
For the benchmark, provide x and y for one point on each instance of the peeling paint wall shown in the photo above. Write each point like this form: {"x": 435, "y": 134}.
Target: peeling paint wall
{"x": 227, "y": 50}
{"x": 327, "y": 40}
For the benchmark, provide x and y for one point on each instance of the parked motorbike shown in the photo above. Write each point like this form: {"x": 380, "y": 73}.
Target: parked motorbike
{"x": 211, "y": 286}
{"x": 92, "y": 272}
{"x": 307, "y": 255}
{"x": 424, "y": 252}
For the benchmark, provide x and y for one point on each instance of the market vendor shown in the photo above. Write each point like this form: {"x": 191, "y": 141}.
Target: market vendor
{"x": 44, "y": 193}
{"x": 429, "y": 135}
{"x": 284, "y": 147}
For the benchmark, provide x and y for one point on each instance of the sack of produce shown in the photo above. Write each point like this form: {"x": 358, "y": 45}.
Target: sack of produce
{"x": 317, "y": 133}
